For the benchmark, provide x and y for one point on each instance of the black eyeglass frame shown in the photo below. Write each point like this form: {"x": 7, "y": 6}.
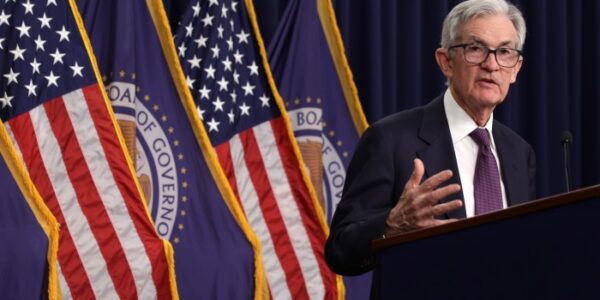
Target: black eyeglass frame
{"x": 489, "y": 51}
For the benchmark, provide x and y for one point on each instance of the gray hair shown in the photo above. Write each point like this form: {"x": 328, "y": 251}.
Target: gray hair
{"x": 472, "y": 9}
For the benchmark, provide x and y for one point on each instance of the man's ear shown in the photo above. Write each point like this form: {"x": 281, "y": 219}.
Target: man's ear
{"x": 516, "y": 70}
{"x": 443, "y": 60}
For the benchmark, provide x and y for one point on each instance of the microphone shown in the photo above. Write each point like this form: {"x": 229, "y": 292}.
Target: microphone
{"x": 566, "y": 138}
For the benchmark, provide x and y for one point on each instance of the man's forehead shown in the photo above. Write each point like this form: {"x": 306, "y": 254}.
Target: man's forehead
{"x": 490, "y": 30}
{"x": 483, "y": 41}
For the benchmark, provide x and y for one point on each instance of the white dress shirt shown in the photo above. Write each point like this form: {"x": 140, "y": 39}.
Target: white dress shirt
{"x": 466, "y": 149}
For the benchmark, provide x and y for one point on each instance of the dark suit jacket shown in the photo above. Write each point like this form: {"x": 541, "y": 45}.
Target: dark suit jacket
{"x": 383, "y": 163}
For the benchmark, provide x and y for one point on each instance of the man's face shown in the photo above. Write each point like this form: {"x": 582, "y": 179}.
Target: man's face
{"x": 485, "y": 85}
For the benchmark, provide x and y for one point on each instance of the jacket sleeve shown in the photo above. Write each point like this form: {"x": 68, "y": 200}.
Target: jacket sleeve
{"x": 366, "y": 202}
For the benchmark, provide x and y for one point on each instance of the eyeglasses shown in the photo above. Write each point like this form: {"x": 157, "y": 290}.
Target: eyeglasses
{"x": 477, "y": 54}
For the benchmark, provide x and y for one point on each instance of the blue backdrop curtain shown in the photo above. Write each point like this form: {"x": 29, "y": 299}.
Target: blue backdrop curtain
{"x": 390, "y": 45}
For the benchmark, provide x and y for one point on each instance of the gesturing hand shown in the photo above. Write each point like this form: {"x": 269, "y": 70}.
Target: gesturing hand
{"x": 418, "y": 205}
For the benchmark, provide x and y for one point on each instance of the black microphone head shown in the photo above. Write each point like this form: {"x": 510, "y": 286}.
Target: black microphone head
{"x": 566, "y": 137}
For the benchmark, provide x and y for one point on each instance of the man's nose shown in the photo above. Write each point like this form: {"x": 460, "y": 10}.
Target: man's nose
{"x": 490, "y": 63}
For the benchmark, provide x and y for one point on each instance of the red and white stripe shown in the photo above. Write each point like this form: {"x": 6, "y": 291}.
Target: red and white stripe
{"x": 265, "y": 175}
{"x": 108, "y": 247}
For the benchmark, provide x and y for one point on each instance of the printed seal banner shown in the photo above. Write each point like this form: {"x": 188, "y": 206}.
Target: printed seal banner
{"x": 213, "y": 244}
{"x": 57, "y": 116}
{"x": 221, "y": 52}
{"x": 312, "y": 74}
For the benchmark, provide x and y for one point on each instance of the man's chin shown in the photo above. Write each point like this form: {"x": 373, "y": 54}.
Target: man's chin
{"x": 491, "y": 98}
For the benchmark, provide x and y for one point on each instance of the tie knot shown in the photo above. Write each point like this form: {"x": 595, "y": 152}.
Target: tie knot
{"x": 481, "y": 136}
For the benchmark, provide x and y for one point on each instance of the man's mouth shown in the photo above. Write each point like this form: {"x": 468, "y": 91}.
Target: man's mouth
{"x": 487, "y": 80}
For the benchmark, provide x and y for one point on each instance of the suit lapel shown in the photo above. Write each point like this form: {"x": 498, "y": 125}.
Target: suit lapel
{"x": 438, "y": 155}
{"x": 508, "y": 167}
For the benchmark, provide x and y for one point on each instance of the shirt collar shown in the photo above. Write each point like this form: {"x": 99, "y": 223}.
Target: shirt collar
{"x": 460, "y": 123}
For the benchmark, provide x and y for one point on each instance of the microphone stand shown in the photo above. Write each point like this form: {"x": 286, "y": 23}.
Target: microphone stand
{"x": 566, "y": 140}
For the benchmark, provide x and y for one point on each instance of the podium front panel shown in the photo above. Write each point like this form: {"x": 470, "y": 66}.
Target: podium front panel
{"x": 547, "y": 254}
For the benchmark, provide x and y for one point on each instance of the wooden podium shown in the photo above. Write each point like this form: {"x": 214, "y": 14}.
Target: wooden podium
{"x": 546, "y": 249}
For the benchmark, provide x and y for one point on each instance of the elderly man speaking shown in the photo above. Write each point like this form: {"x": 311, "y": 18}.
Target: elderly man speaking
{"x": 448, "y": 159}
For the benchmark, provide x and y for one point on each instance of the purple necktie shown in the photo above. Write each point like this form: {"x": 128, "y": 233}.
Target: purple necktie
{"x": 486, "y": 184}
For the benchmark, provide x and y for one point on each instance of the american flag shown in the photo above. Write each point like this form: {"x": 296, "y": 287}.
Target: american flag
{"x": 216, "y": 252}
{"x": 312, "y": 74}
{"x": 59, "y": 121}
{"x": 235, "y": 96}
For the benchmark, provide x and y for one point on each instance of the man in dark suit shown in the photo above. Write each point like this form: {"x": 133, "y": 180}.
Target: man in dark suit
{"x": 449, "y": 159}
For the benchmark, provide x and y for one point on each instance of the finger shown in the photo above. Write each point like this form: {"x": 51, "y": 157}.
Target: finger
{"x": 416, "y": 176}
{"x": 434, "y": 181}
{"x": 435, "y": 196}
{"x": 442, "y": 222}
{"x": 423, "y": 200}
{"x": 440, "y": 209}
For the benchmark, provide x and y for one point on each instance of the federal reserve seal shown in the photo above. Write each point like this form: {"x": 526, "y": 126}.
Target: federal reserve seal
{"x": 149, "y": 141}
{"x": 321, "y": 151}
